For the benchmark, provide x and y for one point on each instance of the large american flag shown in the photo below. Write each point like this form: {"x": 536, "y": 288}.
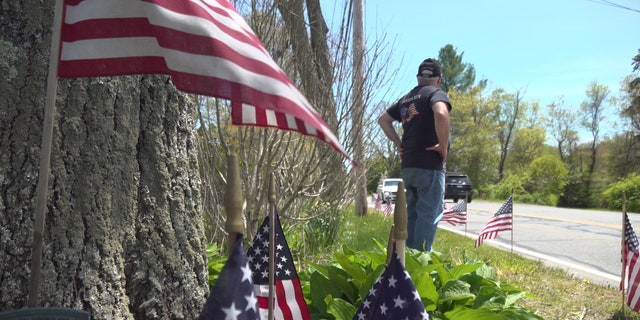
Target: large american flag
{"x": 456, "y": 214}
{"x": 206, "y": 47}
{"x": 632, "y": 267}
{"x": 502, "y": 220}
{"x": 393, "y": 296}
{"x": 289, "y": 299}
{"x": 232, "y": 295}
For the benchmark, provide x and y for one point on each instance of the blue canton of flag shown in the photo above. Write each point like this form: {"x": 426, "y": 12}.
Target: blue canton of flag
{"x": 232, "y": 296}
{"x": 630, "y": 238}
{"x": 289, "y": 301}
{"x": 393, "y": 296}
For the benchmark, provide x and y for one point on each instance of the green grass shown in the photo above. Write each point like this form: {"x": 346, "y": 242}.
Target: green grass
{"x": 559, "y": 295}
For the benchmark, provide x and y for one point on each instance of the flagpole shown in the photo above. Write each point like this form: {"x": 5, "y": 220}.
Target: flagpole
{"x": 466, "y": 200}
{"x": 623, "y": 257}
{"x": 233, "y": 201}
{"x": 390, "y": 245}
{"x": 272, "y": 245}
{"x": 400, "y": 233}
{"x": 45, "y": 157}
{"x": 512, "y": 219}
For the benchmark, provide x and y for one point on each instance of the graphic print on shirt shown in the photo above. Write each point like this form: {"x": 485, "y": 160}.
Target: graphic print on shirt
{"x": 408, "y": 113}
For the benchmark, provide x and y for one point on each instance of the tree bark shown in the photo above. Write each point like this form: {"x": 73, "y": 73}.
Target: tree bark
{"x": 123, "y": 233}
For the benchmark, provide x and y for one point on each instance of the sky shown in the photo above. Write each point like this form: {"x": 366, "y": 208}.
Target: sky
{"x": 546, "y": 49}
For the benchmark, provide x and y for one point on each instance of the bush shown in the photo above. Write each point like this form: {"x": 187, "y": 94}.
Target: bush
{"x": 630, "y": 187}
{"x": 466, "y": 291}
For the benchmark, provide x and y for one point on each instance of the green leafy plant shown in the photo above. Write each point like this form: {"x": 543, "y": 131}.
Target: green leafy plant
{"x": 466, "y": 291}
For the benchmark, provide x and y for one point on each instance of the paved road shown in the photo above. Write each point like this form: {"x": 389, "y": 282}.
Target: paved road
{"x": 585, "y": 243}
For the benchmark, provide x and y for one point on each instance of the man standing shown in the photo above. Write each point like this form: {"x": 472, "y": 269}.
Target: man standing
{"x": 424, "y": 113}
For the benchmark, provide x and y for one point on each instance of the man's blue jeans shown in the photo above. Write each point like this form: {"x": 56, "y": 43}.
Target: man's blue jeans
{"x": 425, "y": 201}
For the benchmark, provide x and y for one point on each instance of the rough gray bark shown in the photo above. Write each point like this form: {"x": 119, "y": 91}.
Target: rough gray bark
{"x": 123, "y": 234}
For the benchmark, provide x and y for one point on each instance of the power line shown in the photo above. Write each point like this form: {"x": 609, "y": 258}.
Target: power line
{"x": 615, "y": 5}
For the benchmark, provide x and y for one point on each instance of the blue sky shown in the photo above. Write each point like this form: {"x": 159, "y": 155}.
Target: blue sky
{"x": 546, "y": 48}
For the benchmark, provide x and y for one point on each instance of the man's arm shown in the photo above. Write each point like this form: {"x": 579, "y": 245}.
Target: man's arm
{"x": 386, "y": 124}
{"x": 441, "y": 122}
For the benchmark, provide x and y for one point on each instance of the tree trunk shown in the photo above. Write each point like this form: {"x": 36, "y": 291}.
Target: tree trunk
{"x": 123, "y": 234}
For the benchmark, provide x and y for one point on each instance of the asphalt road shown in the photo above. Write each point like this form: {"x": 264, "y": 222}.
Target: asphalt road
{"x": 585, "y": 243}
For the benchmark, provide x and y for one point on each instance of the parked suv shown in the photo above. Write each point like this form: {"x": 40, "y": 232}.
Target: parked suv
{"x": 388, "y": 188}
{"x": 457, "y": 185}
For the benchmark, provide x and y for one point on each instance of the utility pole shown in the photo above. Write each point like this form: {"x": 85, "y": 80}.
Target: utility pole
{"x": 358, "y": 107}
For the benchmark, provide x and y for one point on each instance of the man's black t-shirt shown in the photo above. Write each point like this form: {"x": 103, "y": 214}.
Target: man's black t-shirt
{"x": 415, "y": 112}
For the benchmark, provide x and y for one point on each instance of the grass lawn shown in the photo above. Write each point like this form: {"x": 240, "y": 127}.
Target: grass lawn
{"x": 559, "y": 295}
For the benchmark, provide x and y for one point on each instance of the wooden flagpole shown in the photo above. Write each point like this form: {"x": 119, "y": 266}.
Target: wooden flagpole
{"x": 400, "y": 232}
{"x": 623, "y": 257}
{"x": 466, "y": 222}
{"x": 233, "y": 201}
{"x": 45, "y": 158}
{"x": 272, "y": 246}
{"x": 512, "y": 219}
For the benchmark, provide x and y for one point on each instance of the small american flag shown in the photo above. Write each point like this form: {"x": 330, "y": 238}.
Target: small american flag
{"x": 289, "y": 299}
{"x": 393, "y": 296}
{"x": 378, "y": 204}
{"x": 232, "y": 295}
{"x": 632, "y": 267}
{"x": 205, "y": 46}
{"x": 456, "y": 214}
{"x": 388, "y": 209}
{"x": 501, "y": 221}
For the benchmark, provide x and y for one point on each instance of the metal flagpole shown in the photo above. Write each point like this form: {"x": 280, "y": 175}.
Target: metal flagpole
{"x": 272, "y": 245}
{"x": 623, "y": 257}
{"x": 45, "y": 157}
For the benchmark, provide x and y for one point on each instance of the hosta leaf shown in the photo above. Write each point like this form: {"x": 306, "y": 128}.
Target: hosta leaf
{"x": 340, "y": 309}
{"x": 321, "y": 287}
{"x": 462, "y": 313}
{"x": 463, "y": 269}
{"x": 455, "y": 290}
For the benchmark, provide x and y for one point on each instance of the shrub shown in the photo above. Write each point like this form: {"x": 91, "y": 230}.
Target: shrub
{"x": 630, "y": 187}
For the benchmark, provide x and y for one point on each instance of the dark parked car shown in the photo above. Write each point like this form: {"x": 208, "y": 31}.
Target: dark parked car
{"x": 457, "y": 185}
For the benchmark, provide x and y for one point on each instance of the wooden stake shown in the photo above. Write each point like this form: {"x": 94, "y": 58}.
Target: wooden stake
{"x": 45, "y": 158}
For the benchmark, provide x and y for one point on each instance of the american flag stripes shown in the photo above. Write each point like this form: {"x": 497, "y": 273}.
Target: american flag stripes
{"x": 632, "y": 267}
{"x": 393, "y": 296}
{"x": 206, "y": 47}
{"x": 232, "y": 295}
{"x": 502, "y": 220}
{"x": 388, "y": 209}
{"x": 456, "y": 214}
{"x": 290, "y": 303}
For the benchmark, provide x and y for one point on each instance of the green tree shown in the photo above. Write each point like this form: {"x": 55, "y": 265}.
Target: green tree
{"x": 456, "y": 75}
{"x": 546, "y": 178}
{"x": 474, "y": 149}
{"x": 631, "y": 100}
{"x": 528, "y": 144}
{"x": 561, "y": 123}
{"x": 509, "y": 111}
{"x": 593, "y": 110}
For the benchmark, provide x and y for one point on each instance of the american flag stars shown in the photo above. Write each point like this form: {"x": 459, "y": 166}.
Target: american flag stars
{"x": 392, "y": 296}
